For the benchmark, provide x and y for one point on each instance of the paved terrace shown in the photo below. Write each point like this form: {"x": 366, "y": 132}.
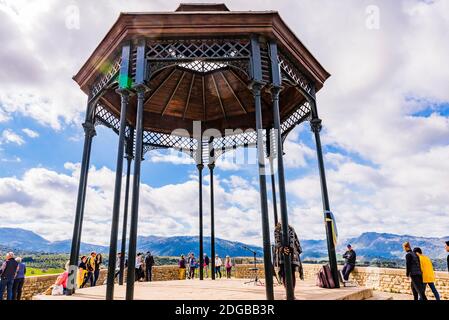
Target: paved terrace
{"x": 224, "y": 289}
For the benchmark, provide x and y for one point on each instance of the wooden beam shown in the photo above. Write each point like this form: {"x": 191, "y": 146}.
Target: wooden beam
{"x": 159, "y": 86}
{"x": 219, "y": 96}
{"x": 173, "y": 93}
{"x": 188, "y": 96}
{"x": 233, "y": 92}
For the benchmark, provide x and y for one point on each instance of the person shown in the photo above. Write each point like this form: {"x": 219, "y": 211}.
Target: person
{"x": 206, "y": 265}
{"x": 149, "y": 263}
{"x": 7, "y": 275}
{"x": 293, "y": 249}
{"x": 428, "y": 275}
{"x": 350, "y": 259}
{"x": 228, "y": 266}
{"x": 61, "y": 280}
{"x": 413, "y": 271}
{"x": 98, "y": 261}
{"x": 117, "y": 264}
{"x": 218, "y": 264}
{"x": 182, "y": 268}
{"x": 82, "y": 272}
{"x": 447, "y": 250}
{"x": 90, "y": 268}
{"x": 139, "y": 263}
{"x": 189, "y": 256}
{"x": 19, "y": 279}
{"x": 193, "y": 266}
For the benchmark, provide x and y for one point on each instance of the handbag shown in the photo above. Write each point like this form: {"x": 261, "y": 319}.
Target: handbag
{"x": 58, "y": 290}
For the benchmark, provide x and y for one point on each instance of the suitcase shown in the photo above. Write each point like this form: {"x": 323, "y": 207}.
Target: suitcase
{"x": 324, "y": 278}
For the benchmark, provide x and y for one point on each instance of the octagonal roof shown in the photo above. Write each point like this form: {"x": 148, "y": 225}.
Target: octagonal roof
{"x": 220, "y": 97}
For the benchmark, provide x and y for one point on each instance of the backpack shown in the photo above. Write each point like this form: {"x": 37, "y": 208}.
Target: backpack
{"x": 324, "y": 278}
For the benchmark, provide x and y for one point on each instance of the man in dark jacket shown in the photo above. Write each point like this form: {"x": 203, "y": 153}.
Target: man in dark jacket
{"x": 350, "y": 259}
{"x": 7, "y": 275}
{"x": 149, "y": 263}
{"x": 447, "y": 250}
{"x": 413, "y": 271}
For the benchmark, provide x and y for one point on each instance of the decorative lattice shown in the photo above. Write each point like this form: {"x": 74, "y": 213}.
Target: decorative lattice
{"x": 292, "y": 74}
{"x": 106, "y": 77}
{"x": 194, "y": 49}
{"x": 106, "y": 118}
{"x": 155, "y": 140}
{"x": 301, "y": 114}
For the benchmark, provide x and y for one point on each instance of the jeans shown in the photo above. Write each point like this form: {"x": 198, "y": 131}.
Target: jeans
{"x": 218, "y": 271}
{"x": 228, "y": 273}
{"x": 418, "y": 288}
{"x": 192, "y": 273}
{"x": 96, "y": 276}
{"x": 347, "y": 269}
{"x": 434, "y": 290}
{"x": 8, "y": 284}
{"x": 149, "y": 273}
{"x": 17, "y": 288}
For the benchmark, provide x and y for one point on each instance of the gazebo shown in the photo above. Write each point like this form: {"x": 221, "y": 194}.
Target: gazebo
{"x": 202, "y": 80}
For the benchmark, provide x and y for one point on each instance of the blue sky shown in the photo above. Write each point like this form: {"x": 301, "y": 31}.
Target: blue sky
{"x": 385, "y": 112}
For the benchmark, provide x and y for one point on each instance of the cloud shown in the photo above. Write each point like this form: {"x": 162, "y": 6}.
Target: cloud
{"x": 9, "y": 136}
{"x": 30, "y": 133}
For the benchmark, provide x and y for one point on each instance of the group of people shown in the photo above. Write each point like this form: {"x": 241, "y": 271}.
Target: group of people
{"x": 188, "y": 267}
{"x": 418, "y": 268}
{"x": 89, "y": 269}
{"x": 12, "y": 277}
{"x": 144, "y": 267}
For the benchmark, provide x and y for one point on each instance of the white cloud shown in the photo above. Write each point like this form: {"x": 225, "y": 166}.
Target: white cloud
{"x": 30, "y": 133}
{"x": 9, "y": 136}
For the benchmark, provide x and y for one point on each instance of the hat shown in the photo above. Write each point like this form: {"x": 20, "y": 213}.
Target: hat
{"x": 216, "y": 255}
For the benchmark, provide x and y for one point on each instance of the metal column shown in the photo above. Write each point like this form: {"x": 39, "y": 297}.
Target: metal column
{"x": 256, "y": 87}
{"x": 212, "y": 220}
{"x": 89, "y": 133}
{"x": 200, "y": 198}
{"x": 140, "y": 87}
{"x": 315, "y": 125}
{"x": 275, "y": 89}
{"x": 129, "y": 158}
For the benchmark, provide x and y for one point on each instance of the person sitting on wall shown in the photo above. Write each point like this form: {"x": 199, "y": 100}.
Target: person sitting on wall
{"x": 293, "y": 249}
{"x": 60, "y": 283}
{"x": 428, "y": 275}
{"x": 350, "y": 259}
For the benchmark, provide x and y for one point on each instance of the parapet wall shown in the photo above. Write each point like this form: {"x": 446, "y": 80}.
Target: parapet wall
{"x": 381, "y": 279}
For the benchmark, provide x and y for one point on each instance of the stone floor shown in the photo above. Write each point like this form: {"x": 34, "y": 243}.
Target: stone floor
{"x": 224, "y": 289}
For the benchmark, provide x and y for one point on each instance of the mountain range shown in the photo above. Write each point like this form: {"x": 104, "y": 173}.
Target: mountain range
{"x": 369, "y": 245}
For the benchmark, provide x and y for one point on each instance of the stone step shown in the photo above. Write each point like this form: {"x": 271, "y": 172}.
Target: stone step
{"x": 381, "y": 296}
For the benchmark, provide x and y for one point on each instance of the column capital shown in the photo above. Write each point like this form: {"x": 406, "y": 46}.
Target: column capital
{"x": 123, "y": 92}
{"x": 275, "y": 90}
{"x": 315, "y": 125}
{"x": 200, "y": 166}
{"x": 89, "y": 129}
{"x": 256, "y": 86}
{"x": 211, "y": 166}
{"x": 141, "y": 89}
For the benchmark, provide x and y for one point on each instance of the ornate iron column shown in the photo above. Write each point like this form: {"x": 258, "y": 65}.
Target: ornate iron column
{"x": 315, "y": 125}
{"x": 124, "y": 95}
{"x": 212, "y": 220}
{"x": 271, "y": 153}
{"x": 129, "y": 158}
{"x": 89, "y": 133}
{"x": 256, "y": 87}
{"x": 275, "y": 89}
{"x": 200, "y": 197}
{"x": 140, "y": 87}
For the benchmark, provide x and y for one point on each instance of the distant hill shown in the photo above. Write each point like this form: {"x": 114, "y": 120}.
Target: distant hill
{"x": 369, "y": 245}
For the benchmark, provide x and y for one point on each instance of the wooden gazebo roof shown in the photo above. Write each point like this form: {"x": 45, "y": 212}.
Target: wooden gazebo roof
{"x": 213, "y": 93}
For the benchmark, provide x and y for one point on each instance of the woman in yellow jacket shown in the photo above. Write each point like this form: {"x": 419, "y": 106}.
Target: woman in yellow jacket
{"x": 428, "y": 275}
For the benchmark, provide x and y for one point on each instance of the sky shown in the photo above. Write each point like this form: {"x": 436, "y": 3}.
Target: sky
{"x": 385, "y": 135}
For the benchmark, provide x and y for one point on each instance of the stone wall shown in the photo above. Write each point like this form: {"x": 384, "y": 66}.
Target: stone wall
{"x": 381, "y": 279}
